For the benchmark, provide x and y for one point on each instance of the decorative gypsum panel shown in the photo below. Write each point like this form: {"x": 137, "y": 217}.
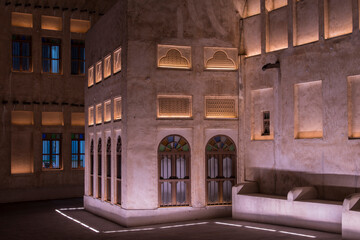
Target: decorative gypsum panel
{"x": 91, "y": 116}
{"x": 117, "y": 60}
{"x": 174, "y": 56}
{"x": 220, "y": 58}
{"x": 107, "y": 66}
{"x": 220, "y": 107}
{"x": 117, "y": 108}
{"x": 91, "y": 76}
{"x": 98, "y": 71}
{"x": 107, "y": 111}
{"x": 174, "y": 106}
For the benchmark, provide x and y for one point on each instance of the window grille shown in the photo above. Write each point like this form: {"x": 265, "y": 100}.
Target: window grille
{"x": 174, "y": 164}
{"x": 220, "y": 107}
{"x": 91, "y": 192}
{"x": 107, "y": 66}
{"x": 108, "y": 170}
{"x": 220, "y": 170}
{"x": 174, "y": 106}
{"x": 91, "y": 76}
{"x": 117, "y": 60}
{"x": 21, "y": 53}
{"x": 77, "y": 151}
{"x": 99, "y": 114}
{"x": 91, "y": 115}
{"x": 118, "y": 170}
{"x": 107, "y": 111}
{"x": 98, "y": 72}
{"x": 51, "y": 55}
{"x": 51, "y": 153}
{"x": 77, "y": 57}
{"x": 99, "y": 160}
{"x": 117, "y": 108}
{"x": 266, "y": 123}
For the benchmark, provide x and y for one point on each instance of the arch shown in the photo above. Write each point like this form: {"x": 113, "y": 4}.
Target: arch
{"x": 174, "y": 171}
{"x": 220, "y": 155}
{"x": 118, "y": 170}
{"x": 99, "y": 160}
{"x": 108, "y": 169}
{"x": 91, "y": 181}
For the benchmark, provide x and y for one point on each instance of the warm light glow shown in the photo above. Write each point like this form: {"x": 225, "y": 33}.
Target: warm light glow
{"x": 107, "y": 111}
{"x": 220, "y": 58}
{"x": 107, "y": 66}
{"x": 51, "y": 23}
{"x": 79, "y": 26}
{"x": 174, "y": 106}
{"x": 337, "y": 18}
{"x": 91, "y": 116}
{"x": 98, "y": 72}
{"x": 313, "y": 134}
{"x": 220, "y": 107}
{"x": 262, "y": 229}
{"x": 117, "y": 108}
{"x": 21, "y": 20}
{"x": 174, "y": 57}
{"x": 275, "y": 4}
{"x": 98, "y": 113}
{"x": 78, "y": 119}
{"x": 252, "y": 8}
{"x": 22, "y": 117}
{"x": 52, "y": 119}
{"x": 117, "y": 60}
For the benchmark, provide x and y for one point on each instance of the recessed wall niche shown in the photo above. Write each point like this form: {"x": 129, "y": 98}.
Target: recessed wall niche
{"x": 98, "y": 72}
{"x": 170, "y": 56}
{"x": 252, "y": 35}
{"x": 21, "y": 20}
{"x": 262, "y": 104}
{"x": 52, "y": 119}
{"x": 79, "y": 26}
{"x": 22, "y": 152}
{"x": 338, "y": 17}
{"x": 107, "y": 66}
{"x": 78, "y": 119}
{"x": 277, "y": 30}
{"x": 221, "y": 107}
{"x": 22, "y": 117}
{"x": 252, "y": 8}
{"x": 174, "y": 106}
{"x": 117, "y": 60}
{"x": 306, "y": 22}
{"x": 51, "y": 23}
{"x": 271, "y": 5}
{"x": 353, "y": 97}
{"x": 220, "y": 58}
{"x": 91, "y": 76}
{"x": 308, "y": 110}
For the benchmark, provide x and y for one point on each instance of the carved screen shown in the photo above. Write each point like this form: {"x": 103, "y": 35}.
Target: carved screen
{"x": 117, "y": 108}
{"x": 174, "y": 106}
{"x": 107, "y": 66}
{"x": 220, "y": 107}
{"x": 91, "y": 116}
{"x": 99, "y": 114}
{"x": 220, "y": 58}
{"x": 91, "y": 76}
{"x": 98, "y": 72}
{"x": 117, "y": 60}
{"x": 174, "y": 56}
{"x": 107, "y": 111}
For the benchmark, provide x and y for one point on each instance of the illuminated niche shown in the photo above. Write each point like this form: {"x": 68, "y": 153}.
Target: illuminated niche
{"x": 308, "y": 110}
{"x": 107, "y": 111}
{"x": 98, "y": 113}
{"x": 91, "y": 116}
{"x": 174, "y": 106}
{"x": 107, "y": 66}
{"x": 91, "y": 76}
{"x": 174, "y": 57}
{"x": 78, "y": 119}
{"x": 353, "y": 99}
{"x": 79, "y": 26}
{"x": 337, "y": 18}
{"x": 306, "y": 22}
{"x": 22, "y": 160}
{"x": 277, "y": 30}
{"x": 51, "y": 23}
{"x": 117, "y": 108}
{"x": 117, "y": 60}
{"x": 21, "y": 20}
{"x": 52, "y": 119}
{"x": 98, "y": 72}
{"x": 221, "y": 107}
{"x": 271, "y": 5}
{"x": 252, "y": 8}
{"x": 220, "y": 58}
{"x": 22, "y": 117}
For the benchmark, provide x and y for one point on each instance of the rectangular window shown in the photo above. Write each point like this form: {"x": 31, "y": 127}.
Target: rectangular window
{"x": 117, "y": 108}
{"x": 107, "y": 111}
{"x": 91, "y": 76}
{"x": 117, "y": 60}
{"x": 51, "y": 150}
{"x": 98, "y": 72}
{"x": 21, "y": 20}
{"x": 21, "y": 53}
{"x": 107, "y": 66}
{"x": 98, "y": 114}
{"x": 77, "y": 57}
{"x": 51, "y": 55}
{"x": 266, "y": 124}
{"x": 91, "y": 116}
{"x": 77, "y": 150}
{"x": 220, "y": 107}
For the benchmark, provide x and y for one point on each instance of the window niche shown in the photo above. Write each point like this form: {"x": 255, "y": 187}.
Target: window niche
{"x": 178, "y": 57}
{"x": 117, "y": 108}
{"x": 24, "y": 20}
{"x": 78, "y": 119}
{"x": 98, "y": 114}
{"x": 308, "y": 110}
{"x": 306, "y": 22}
{"x": 337, "y": 18}
{"x": 220, "y": 58}
{"x": 98, "y": 72}
{"x": 353, "y": 83}
{"x": 107, "y": 111}
{"x": 107, "y": 66}
{"x": 174, "y": 106}
{"x": 22, "y": 159}
{"x": 262, "y": 107}
{"x": 52, "y": 119}
{"x": 22, "y": 118}
{"x": 117, "y": 60}
{"x": 91, "y": 76}
{"x": 51, "y": 55}
{"x": 51, "y": 23}
{"x": 79, "y": 26}
{"x": 21, "y": 53}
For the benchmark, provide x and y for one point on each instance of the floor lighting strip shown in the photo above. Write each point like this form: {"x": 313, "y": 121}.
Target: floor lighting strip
{"x": 77, "y": 221}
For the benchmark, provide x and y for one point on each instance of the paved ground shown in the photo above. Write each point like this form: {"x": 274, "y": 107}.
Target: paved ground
{"x": 40, "y": 220}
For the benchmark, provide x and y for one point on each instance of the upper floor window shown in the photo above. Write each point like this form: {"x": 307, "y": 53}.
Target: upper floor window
{"x": 77, "y": 57}
{"x": 21, "y": 53}
{"x": 77, "y": 150}
{"x": 51, "y": 55}
{"x": 51, "y": 153}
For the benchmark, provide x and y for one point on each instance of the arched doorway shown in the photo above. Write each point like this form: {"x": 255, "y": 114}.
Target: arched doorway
{"x": 108, "y": 170}
{"x": 91, "y": 181}
{"x": 174, "y": 171}
{"x": 118, "y": 170}
{"x": 220, "y": 170}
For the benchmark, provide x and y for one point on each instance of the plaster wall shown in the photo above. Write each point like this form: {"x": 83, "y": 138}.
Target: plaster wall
{"x": 306, "y": 22}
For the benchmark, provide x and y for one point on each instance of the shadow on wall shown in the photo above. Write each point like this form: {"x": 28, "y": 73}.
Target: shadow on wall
{"x": 333, "y": 187}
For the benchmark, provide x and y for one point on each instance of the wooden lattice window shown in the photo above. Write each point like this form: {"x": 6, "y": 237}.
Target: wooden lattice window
{"x": 108, "y": 170}
{"x": 91, "y": 116}
{"x": 99, "y": 160}
{"x": 51, "y": 153}
{"x": 117, "y": 108}
{"x": 107, "y": 111}
{"x": 174, "y": 171}
{"x": 99, "y": 113}
{"x": 98, "y": 72}
{"x": 220, "y": 107}
{"x": 91, "y": 192}
{"x": 220, "y": 170}
{"x": 266, "y": 124}
{"x": 51, "y": 55}
{"x": 118, "y": 169}
{"x": 174, "y": 107}
{"x": 91, "y": 76}
{"x": 107, "y": 66}
{"x": 117, "y": 60}
{"x": 21, "y": 53}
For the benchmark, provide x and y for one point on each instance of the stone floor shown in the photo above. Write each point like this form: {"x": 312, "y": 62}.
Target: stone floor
{"x": 64, "y": 219}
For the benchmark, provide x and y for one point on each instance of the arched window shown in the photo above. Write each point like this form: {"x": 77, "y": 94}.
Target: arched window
{"x": 174, "y": 171}
{"x": 118, "y": 170}
{"x": 220, "y": 170}
{"x": 99, "y": 168}
{"x": 91, "y": 182}
{"x": 108, "y": 170}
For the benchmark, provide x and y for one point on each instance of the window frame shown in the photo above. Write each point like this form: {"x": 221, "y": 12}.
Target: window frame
{"x": 78, "y": 155}
{"x": 49, "y": 137}
{"x": 21, "y": 57}
{"x": 78, "y": 44}
{"x": 118, "y": 165}
{"x": 51, "y": 58}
